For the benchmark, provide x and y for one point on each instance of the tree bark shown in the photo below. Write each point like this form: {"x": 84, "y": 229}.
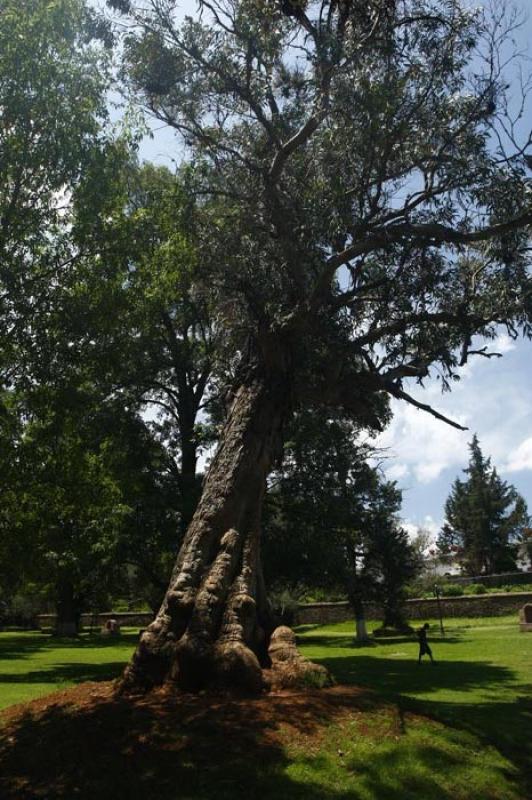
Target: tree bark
{"x": 357, "y": 605}
{"x": 214, "y": 624}
{"x": 68, "y": 610}
{"x": 394, "y": 616}
{"x": 360, "y": 623}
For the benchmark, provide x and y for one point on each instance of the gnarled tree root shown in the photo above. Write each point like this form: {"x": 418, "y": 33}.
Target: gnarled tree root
{"x": 289, "y": 669}
{"x": 229, "y": 666}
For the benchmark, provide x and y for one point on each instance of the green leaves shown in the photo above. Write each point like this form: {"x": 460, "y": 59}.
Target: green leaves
{"x": 53, "y": 78}
{"x": 485, "y": 519}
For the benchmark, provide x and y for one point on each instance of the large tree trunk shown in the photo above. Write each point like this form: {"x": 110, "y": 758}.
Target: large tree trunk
{"x": 357, "y": 604}
{"x": 214, "y": 625}
{"x": 394, "y": 616}
{"x": 68, "y": 610}
{"x": 360, "y": 621}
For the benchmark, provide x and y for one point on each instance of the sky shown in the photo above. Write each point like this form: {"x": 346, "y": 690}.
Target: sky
{"x": 493, "y": 398}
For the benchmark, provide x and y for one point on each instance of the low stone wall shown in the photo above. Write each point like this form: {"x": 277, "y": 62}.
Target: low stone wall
{"x": 130, "y": 619}
{"x": 323, "y": 613}
{"x": 486, "y": 605}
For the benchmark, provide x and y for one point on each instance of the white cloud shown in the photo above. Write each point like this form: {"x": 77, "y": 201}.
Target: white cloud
{"x": 428, "y": 525}
{"x": 397, "y": 471}
{"x": 521, "y": 457}
{"x": 491, "y": 399}
{"x": 504, "y": 344}
{"x": 426, "y": 446}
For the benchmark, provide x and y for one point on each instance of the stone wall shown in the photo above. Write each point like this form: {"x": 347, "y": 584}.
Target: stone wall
{"x": 486, "y": 605}
{"x": 502, "y": 579}
{"x": 323, "y": 613}
{"x": 131, "y": 619}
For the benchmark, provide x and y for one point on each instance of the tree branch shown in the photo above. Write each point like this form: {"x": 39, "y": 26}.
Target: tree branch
{"x": 402, "y": 395}
{"x": 425, "y": 233}
{"x": 299, "y": 138}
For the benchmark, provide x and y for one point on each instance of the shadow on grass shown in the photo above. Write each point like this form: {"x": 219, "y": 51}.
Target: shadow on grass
{"x": 349, "y": 642}
{"x": 68, "y": 673}
{"x": 393, "y": 677}
{"x": 504, "y": 725}
{"x": 204, "y": 747}
{"x": 182, "y": 747}
{"x": 15, "y": 646}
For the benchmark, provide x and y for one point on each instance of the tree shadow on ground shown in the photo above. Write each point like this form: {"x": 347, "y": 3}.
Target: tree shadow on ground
{"x": 16, "y": 646}
{"x": 349, "y": 642}
{"x": 68, "y": 673}
{"x": 503, "y": 725}
{"x": 167, "y": 748}
{"x": 89, "y": 744}
{"x": 394, "y": 677}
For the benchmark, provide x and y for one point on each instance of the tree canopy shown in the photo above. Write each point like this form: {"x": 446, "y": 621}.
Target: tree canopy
{"x": 53, "y": 79}
{"x": 355, "y": 189}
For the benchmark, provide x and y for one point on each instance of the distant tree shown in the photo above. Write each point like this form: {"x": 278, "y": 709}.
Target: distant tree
{"x": 331, "y": 521}
{"x": 314, "y": 497}
{"x": 486, "y": 518}
{"x": 77, "y": 474}
{"x": 380, "y": 560}
{"x": 392, "y": 561}
{"x": 133, "y": 316}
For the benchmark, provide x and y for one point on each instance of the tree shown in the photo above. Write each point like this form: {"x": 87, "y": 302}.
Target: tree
{"x": 53, "y": 78}
{"x": 77, "y": 473}
{"x": 316, "y": 501}
{"x": 133, "y": 299}
{"x": 486, "y": 518}
{"x": 361, "y": 224}
{"x": 392, "y": 562}
{"x": 331, "y": 521}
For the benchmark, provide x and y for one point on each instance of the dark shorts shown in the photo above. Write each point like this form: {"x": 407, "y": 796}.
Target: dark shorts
{"x": 424, "y": 649}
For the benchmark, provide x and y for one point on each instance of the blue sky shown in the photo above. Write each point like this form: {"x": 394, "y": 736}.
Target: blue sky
{"x": 493, "y": 398}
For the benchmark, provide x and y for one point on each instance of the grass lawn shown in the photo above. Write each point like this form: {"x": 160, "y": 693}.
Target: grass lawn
{"x": 480, "y": 689}
{"x": 34, "y": 664}
{"x": 458, "y": 730}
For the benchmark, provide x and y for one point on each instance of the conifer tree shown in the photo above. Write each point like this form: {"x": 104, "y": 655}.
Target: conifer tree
{"x": 485, "y": 518}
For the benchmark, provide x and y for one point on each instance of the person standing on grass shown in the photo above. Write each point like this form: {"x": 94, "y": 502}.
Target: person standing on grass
{"x": 423, "y": 644}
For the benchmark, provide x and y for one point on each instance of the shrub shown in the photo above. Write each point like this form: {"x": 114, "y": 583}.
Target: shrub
{"x": 452, "y": 590}
{"x": 285, "y": 603}
{"x": 476, "y": 588}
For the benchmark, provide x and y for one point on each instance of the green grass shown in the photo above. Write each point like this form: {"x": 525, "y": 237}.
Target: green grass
{"x": 480, "y": 687}
{"x": 458, "y": 730}
{"x": 35, "y": 664}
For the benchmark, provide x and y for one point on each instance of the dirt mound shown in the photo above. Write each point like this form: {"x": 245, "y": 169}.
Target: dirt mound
{"x": 86, "y": 742}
